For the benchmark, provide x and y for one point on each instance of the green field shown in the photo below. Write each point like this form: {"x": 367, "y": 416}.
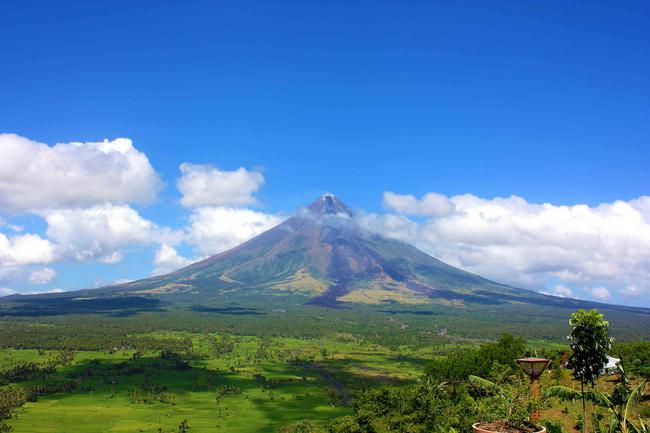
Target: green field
{"x": 288, "y": 380}
{"x": 260, "y": 368}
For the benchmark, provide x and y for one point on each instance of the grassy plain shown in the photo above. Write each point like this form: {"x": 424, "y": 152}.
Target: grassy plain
{"x": 283, "y": 361}
{"x": 268, "y": 391}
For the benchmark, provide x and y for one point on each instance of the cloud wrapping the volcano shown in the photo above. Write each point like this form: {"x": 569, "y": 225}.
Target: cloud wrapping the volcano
{"x": 167, "y": 259}
{"x": 533, "y": 245}
{"x": 215, "y": 229}
{"x": 431, "y": 204}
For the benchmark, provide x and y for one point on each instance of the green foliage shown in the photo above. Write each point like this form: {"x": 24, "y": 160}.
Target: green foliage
{"x": 425, "y": 407}
{"x": 505, "y": 398}
{"x": 183, "y": 427}
{"x": 552, "y": 427}
{"x": 580, "y": 423}
{"x": 590, "y": 343}
{"x": 255, "y": 372}
{"x": 459, "y": 365}
{"x": 344, "y": 424}
{"x": 635, "y": 357}
{"x": 442, "y": 406}
{"x": 618, "y": 403}
{"x": 174, "y": 360}
{"x": 563, "y": 393}
{"x": 11, "y": 398}
{"x": 305, "y": 426}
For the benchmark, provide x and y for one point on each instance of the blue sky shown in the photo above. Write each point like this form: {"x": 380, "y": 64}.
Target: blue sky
{"x": 547, "y": 101}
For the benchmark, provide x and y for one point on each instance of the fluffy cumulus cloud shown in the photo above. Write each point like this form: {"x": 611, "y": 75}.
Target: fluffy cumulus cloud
{"x": 431, "y": 204}
{"x": 215, "y": 229}
{"x": 578, "y": 250}
{"x": 35, "y": 176}
{"x": 42, "y": 275}
{"x": 85, "y": 191}
{"x": 562, "y": 291}
{"x": 27, "y": 249}
{"x": 100, "y": 232}
{"x": 206, "y": 185}
{"x": 601, "y": 293}
{"x": 167, "y": 259}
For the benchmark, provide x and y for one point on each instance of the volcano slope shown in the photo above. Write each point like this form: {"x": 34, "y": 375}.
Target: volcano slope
{"x": 320, "y": 257}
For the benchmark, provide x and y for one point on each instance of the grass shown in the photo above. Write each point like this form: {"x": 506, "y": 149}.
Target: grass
{"x": 290, "y": 380}
{"x": 313, "y": 389}
{"x": 381, "y": 296}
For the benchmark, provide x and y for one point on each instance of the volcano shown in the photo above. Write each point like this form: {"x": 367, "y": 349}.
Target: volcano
{"x": 323, "y": 255}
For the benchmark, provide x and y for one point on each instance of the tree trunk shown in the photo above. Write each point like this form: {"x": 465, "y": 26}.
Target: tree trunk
{"x": 584, "y": 408}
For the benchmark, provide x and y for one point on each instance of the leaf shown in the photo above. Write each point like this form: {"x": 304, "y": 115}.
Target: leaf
{"x": 485, "y": 384}
{"x": 563, "y": 393}
{"x": 639, "y": 390}
{"x": 599, "y": 398}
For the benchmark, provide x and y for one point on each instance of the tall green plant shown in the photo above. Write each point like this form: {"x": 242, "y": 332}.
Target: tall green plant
{"x": 618, "y": 403}
{"x": 507, "y": 400}
{"x": 590, "y": 342}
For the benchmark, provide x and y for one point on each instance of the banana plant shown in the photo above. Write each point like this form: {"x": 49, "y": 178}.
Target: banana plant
{"x": 618, "y": 402}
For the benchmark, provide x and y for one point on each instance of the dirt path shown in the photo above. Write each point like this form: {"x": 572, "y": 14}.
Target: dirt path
{"x": 346, "y": 397}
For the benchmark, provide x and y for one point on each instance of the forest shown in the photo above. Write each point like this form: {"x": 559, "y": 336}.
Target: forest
{"x": 314, "y": 370}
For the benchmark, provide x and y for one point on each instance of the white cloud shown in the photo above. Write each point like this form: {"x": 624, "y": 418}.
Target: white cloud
{"x": 630, "y": 291}
{"x": 12, "y": 227}
{"x": 215, "y": 229}
{"x": 205, "y": 185}
{"x": 42, "y": 276}
{"x": 5, "y": 291}
{"x": 83, "y": 192}
{"x": 431, "y": 204}
{"x": 121, "y": 281}
{"x": 562, "y": 291}
{"x": 38, "y": 292}
{"x": 35, "y": 176}
{"x": 99, "y": 232}
{"x": 600, "y": 293}
{"x": 167, "y": 259}
{"x": 25, "y": 249}
{"x": 529, "y": 245}
{"x": 394, "y": 226}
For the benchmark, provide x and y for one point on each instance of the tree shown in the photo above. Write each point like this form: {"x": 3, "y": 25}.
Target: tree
{"x": 183, "y": 427}
{"x": 305, "y": 426}
{"x": 590, "y": 342}
{"x": 458, "y": 365}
